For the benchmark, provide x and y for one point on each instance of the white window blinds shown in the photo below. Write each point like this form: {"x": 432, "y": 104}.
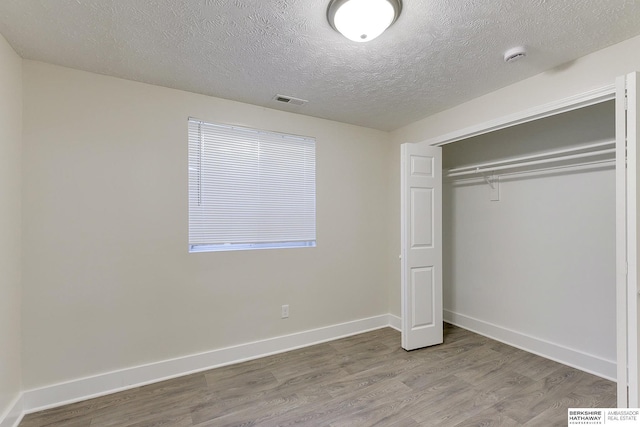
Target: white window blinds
{"x": 250, "y": 188}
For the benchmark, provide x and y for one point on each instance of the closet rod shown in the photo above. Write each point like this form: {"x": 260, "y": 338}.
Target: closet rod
{"x": 551, "y": 168}
{"x": 534, "y": 156}
{"x": 557, "y": 167}
{"x": 534, "y": 162}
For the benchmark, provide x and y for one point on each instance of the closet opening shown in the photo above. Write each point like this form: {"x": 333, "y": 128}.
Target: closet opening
{"x": 529, "y": 236}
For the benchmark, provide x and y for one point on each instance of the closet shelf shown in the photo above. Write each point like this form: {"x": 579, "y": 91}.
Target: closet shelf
{"x": 555, "y": 156}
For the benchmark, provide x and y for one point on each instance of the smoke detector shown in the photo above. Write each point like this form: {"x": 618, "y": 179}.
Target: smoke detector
{"x": 290, "y": 100}
{"x": 514, "y": 54}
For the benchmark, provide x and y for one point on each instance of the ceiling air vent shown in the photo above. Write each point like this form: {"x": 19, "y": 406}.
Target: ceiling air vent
{"x": 290, "y": 100}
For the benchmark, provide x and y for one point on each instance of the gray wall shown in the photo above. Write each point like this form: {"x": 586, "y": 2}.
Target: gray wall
{"x": 10, "y": 218}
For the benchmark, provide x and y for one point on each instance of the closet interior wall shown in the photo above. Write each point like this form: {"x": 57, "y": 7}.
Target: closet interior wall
{"x": 539, "y": 263}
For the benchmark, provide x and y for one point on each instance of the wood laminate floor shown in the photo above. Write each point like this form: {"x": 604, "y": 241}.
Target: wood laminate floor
{"x": 364, "y": 380}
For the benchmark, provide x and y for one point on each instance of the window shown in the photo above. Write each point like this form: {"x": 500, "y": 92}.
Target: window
{"x": 250, "y": 189}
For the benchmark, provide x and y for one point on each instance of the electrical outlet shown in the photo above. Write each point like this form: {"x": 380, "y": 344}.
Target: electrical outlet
{"x": 285, "y": 311}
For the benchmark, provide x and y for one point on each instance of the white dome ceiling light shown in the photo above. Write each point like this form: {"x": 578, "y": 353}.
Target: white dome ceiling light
{"x": 363, "y": 20}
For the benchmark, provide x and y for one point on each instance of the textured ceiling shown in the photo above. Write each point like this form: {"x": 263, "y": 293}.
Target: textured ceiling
{"x": 438, "y": 54}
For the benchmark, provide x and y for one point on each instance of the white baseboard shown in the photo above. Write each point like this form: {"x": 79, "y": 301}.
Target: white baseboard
{"x": 14, "y": 413}
{"x": 99, "y": 385}
{"x": 565, "y": 355}
{"x": 395, "y": 322}
{"x": 112, "y": 382}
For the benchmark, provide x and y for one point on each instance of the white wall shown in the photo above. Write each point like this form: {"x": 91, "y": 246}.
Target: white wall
{"x": 10, "y": 213}
{"x": 108, "y": 282}
{"x": 541, "y": 260}
{"x": 589, "y": 72}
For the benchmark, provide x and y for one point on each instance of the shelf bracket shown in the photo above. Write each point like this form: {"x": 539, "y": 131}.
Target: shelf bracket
{"x": 494, "y": 184}
{"x": 489, "y": 181}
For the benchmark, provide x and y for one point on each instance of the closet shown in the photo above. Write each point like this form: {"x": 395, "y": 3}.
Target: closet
{"x": 535, "y": 216}
{"x": 529, "y": 236}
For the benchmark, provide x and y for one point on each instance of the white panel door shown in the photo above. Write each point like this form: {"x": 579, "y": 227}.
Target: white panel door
{"x": 421, "y": 223}
{"x": 627, "y": 240}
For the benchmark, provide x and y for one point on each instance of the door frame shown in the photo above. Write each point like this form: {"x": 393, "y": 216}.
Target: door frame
{"x": 627, "y": 118}
{"x": 625, "y": 182}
